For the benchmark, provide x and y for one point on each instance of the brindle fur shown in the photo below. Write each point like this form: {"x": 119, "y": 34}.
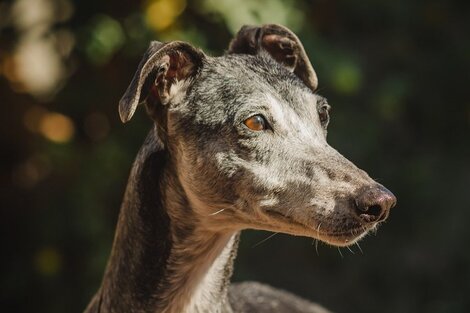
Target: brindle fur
{"x": 202, "y": 176}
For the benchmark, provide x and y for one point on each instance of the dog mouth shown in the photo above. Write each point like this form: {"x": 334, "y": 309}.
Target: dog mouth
{"x": 346, "y": 236}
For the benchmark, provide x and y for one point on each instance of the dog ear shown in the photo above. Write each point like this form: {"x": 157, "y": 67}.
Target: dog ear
{"x": 283, "y": 46}
{"x": 163, "y": 65}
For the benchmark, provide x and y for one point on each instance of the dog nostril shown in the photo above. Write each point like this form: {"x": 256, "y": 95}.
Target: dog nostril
{"x": 373, "y": 204}
{"x": 374, "y": 210}
{"x": 370, "y": 214}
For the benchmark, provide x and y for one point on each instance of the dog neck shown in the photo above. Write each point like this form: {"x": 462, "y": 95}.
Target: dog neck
{"x": 161, "y": 263}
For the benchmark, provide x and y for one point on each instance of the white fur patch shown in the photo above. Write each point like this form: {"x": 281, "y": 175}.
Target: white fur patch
{"x": 178, "y": 91}
{"x": 306, "y": 129}
{"x": 270, "y": 202}
{"x": 211, "y": 281}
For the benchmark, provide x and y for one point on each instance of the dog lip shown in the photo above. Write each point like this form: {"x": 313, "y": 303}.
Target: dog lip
{"x": 290, "y": 221}
{"x": 347, "y": 235}
{"x": 353, "y": 232}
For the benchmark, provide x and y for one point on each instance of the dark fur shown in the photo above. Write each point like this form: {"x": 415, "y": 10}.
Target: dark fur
{"x": 202, "y": 176}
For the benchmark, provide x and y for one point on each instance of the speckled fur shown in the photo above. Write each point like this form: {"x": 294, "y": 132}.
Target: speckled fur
{"x": 202, "y": 176}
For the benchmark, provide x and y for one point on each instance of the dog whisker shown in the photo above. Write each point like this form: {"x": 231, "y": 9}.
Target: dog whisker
{"x": 215, "y": 213}
{"x": 265, "y": 239}
{"x": 357, "y": 244}
{"x": 318, "y": 229}
{"x": 315, "y": 242}
{"x": 340, "y": 253}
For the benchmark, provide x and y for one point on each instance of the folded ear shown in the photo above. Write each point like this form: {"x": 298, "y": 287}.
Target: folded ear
{"x": 281, "y": 43}
{"x": 162, "y": 66}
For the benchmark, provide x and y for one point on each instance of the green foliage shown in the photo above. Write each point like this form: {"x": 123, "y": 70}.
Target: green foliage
{"x": 395, "y": 73}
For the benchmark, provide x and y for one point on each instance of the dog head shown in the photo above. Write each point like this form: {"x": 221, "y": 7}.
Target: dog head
{"x": 246, "y": 134}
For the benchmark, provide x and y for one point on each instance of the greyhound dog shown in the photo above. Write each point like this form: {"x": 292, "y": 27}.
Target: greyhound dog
{"x": 239, "y": 141}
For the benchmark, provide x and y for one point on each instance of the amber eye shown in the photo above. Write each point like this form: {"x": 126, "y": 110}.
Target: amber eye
{"x": 256, "y": 122}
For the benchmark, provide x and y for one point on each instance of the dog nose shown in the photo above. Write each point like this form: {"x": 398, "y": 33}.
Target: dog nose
{"x": 374, "y": 203}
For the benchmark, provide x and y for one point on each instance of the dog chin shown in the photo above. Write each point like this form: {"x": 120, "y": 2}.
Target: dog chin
{"x": 342, "y": 240}
{"x": 281, "y": 223}
{"x": 347, "y": 238}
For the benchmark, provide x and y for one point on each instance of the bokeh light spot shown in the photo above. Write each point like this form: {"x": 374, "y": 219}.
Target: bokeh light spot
{"x": 160, "y": 14}
{"x": 106, "y": 37}
{"x": 347, "y": 78}
{"x": 48, "y": 261}
{"x": 57, "y": 127}
{"x": 236, "y": 13}
{"x": 391, "y": 97}
{"x": 32, "y": 171}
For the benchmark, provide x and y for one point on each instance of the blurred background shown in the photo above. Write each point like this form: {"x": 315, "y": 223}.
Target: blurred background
{"x": 396, "y": 73}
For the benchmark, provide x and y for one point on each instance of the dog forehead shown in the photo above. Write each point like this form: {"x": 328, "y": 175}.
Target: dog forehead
{"x": 255, "y": 72}
{"x": 229, "y": 83}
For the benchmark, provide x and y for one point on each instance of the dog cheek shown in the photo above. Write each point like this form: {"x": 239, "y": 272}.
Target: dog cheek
{"x": 227, "y": 164}
{"x": 211, "y": 176}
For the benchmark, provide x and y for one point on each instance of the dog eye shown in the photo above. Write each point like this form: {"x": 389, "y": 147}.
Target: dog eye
{"x": 323, "y": 113}
{"x": 256, "y": 122}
